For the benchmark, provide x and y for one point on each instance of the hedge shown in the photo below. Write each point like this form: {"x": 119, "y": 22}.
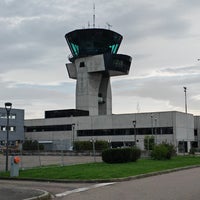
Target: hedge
{"x": 122, "y": 155}
{"x": 30, "y": 145}
{"x": 87, "y": 145}
{"x": 163, "y": 151}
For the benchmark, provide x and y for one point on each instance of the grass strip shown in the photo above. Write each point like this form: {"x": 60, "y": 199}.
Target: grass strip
{"x": 105, "y": 171}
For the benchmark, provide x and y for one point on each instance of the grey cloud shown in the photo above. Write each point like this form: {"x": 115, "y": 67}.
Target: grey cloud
{"x": 143, "y": 20}
{"x": 36, "y": 92}
{"x": 183, "y": 70}
{"x": 165, "y": 88}
{"x": 37, "y": 42}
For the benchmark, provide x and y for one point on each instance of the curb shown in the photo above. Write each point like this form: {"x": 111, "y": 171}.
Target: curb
{"x": 45, "y": 196}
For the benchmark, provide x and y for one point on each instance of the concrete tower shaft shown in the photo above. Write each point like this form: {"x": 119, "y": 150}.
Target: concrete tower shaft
{"x": 93, "y": 62}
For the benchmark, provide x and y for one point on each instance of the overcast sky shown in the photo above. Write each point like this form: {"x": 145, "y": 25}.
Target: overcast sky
{"x": 163, "y": 38}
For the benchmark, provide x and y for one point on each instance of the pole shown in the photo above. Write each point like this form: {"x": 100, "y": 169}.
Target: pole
{"x": 93, "y": 147}
{"x": 8, "y": 107}
{"x": 155, "y": 130}
{"x": 134, "y": 125}
{"x": 185, "y": 90}
{"x": 7, "y": 139}
{"x": 73, "y": 135}
{"x": 152, "y": 124}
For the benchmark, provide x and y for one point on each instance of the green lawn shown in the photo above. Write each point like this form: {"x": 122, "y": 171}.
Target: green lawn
{"x": 106, "y": 171}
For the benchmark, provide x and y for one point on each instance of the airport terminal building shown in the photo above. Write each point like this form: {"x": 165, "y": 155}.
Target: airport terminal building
{"x": 59, "y": 130}
{"x": 93, "y": 62}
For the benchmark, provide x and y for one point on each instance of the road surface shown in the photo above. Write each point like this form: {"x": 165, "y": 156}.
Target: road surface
{"x": 181, "y": 185}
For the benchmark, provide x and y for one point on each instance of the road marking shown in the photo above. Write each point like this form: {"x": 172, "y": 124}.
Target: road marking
{"x": 83, "y": 189}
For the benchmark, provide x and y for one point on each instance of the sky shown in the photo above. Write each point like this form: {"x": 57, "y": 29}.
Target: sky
{"x": 162, "y": 37}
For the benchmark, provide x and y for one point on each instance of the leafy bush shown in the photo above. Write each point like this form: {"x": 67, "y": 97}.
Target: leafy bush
{"x": 87, "y": 145}
{"x": 163, "y": 151}
{"x": 121, "y": 155}
{"x": 149, "y": 142}
{"x": 82, "y": 145}
{"x": 135, "y": 154}
{"x": 192, "y": 151}
{"x": 101, "y": 145}
{"x": 30, "y": 145}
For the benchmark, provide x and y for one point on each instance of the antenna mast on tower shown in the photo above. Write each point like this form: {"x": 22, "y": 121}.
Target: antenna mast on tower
{"x": 93, "y": 14}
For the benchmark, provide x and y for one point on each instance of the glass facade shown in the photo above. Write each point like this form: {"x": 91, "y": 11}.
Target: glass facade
{"x": 116, "y": 132}
{"x": 85, "y": 42}
{"x": 48, "y": 128}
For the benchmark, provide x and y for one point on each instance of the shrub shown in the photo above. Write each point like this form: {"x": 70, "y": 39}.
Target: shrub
{"x": 30, "y": 145}
{"x": 82, "y": 145}
{"x": 101, "y": 145}
{"x": 121, "y": 155}
{"x": 192, "y": 151}
{"x": 135, "y": 154}
{"x": 87, "y": 145}
{"x": 163, "y": 151}
{"x": 149, "y": 142}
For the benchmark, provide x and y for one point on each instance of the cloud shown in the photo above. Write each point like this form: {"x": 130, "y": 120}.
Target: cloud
{"x": 165, "y": 85}
{"x": 163, "y": 40}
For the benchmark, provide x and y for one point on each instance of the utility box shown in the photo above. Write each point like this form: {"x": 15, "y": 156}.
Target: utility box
{"x": 14, "y": 169}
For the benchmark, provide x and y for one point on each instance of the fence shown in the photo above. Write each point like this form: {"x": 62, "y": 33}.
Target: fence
{"x": 38, "y": 154}
{"x": 30, "y": 161}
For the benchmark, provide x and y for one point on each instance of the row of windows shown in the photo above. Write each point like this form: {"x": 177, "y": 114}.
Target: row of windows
{"x": 11, "y": 128}
{"x": 4, "y": 116}
{"x": 139, "y": 131}
{"x": 10, "y": 142}
{"x": 48, "y": 128}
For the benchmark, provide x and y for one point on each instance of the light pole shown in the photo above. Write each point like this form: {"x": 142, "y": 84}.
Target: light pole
{"x": 151, "y": 124}
{"x": 134, "y": 125}
{"x": 93, "y": 148}
{"x": 73, "y": 135}
{"x": 8, "y": 107}
{"x": 155, "y": 130}
{"x": 185, "y": 90}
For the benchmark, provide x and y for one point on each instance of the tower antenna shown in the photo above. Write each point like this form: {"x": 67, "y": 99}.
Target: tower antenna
{"x": 93, "y": 14}
{"x": 109, "y": 25}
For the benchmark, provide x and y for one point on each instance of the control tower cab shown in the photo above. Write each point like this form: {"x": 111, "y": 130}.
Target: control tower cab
{"x": 93, "y": 61}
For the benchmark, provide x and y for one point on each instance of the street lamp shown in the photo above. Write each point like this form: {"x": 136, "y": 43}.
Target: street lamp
{"x": 185, "y": 90}
{"x": 93, "y": 148}
{"x": 8, "y": 107}
{"x": 151, "y": 124}
{"x": 156, "y": 130}
{"x": 73, "y": 135}
{"x": 134, "y": 125}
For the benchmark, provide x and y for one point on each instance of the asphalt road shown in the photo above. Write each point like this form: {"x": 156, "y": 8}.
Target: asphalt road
{"x": 181, "y": 185}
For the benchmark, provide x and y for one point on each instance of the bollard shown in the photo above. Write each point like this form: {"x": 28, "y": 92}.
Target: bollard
{"x": 14, "y": 169}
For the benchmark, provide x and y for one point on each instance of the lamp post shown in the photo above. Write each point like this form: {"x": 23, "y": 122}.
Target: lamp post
{"x": 73, "y": 135}
{"x": 8, "y": 107}
{"x": 151, "y": 124}
{"x": 185, "y": 90}
{"x": 134, "y": 125}
{"x": 93, "y": 148}
{"x": 155, "y": 130}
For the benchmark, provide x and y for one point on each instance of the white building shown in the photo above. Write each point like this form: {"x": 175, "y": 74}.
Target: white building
{"x": 94, "y": 60}
{"x": 59, "y": 132}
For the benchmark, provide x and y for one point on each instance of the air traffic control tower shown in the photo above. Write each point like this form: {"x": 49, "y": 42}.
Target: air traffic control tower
{"x": 93, "y": 61}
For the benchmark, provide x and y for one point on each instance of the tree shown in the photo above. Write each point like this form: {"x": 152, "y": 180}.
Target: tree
{"x": 149, "y": 142}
